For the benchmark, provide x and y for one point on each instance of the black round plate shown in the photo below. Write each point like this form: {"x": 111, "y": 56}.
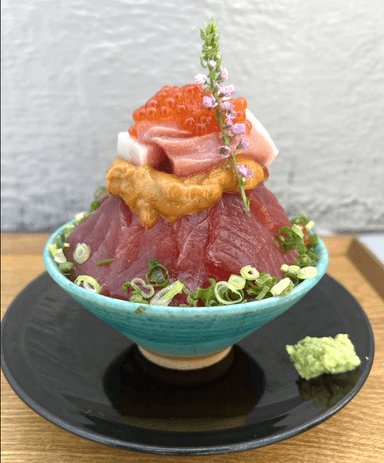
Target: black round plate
{"x": 84, "y": 376}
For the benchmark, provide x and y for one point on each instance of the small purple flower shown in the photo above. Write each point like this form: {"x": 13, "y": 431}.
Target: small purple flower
{"x": 224, "y": 74}
{"x": 225, "y": 151}
{"x": 226, "y": 106}
{"x": 212, "y": 63}
{"x": 230, "y": 116}
{"x": 236, "y": 129}
{"x": 244, "y": 171}
{"x": 243, "y": 145}
{"x": 209, "y": 102}
{"x": 230, "y": 90}
{"x": 200, "y": 79}
{"x": 220, "y": 89}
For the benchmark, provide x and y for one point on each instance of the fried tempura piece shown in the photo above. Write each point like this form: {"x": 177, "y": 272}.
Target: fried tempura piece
{"x": 151, "y": 193}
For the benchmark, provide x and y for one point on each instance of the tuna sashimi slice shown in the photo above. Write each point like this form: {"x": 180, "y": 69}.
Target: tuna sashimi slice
{"x": 210, "y": 244}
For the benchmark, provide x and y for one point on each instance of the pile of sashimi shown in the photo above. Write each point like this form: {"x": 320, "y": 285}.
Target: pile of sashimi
{"x": 185, "y": 218}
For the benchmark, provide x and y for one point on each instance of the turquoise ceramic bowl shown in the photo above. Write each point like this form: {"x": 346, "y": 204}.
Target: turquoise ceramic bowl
{"x": 184, "y": 331}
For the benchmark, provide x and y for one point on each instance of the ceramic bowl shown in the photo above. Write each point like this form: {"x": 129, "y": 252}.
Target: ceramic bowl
{"x": 184, "y": 337}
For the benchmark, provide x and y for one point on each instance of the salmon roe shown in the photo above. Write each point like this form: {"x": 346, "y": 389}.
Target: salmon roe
{"x": 185, "y": 105}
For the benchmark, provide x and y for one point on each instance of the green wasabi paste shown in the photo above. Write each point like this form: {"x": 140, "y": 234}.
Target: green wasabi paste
{"x": 314, "y": 356}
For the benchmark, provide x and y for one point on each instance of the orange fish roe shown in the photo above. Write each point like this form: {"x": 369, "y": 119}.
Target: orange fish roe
{"x": 185, "y": 106}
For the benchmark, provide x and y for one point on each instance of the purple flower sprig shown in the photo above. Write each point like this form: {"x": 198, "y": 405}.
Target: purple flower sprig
{"x": 216, "y": 99}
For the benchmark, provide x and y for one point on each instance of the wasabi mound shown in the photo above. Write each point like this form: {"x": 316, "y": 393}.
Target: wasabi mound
{"x": 314, "y": 356}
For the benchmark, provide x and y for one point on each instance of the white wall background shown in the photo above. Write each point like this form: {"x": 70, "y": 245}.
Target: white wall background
{"x": 74, "y": 71}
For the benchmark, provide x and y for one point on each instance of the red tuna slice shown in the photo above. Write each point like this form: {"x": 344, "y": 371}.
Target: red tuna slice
{"x": 238, "y": 240}
{"x": 192, "y": 238}
{"x": 101, "y": 232}
{"x": 209, "y": 244}
{"x": 157, "y": 242}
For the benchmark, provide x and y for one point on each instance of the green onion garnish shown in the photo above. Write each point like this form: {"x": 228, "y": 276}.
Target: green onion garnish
{"x": 157, "y": 274}
{"x": 59, "y": 243}
{"x": 310, "y": 225}
{"x": 165, "y": 295}
{"x": 137, "y": 296}
{"x": 279, "y": 287}
{"x": 57, "y": 254}
{"x": 65, "y": 267}
{"x": 298, "y": 230}
{"x": 81, "y": 253}
{"x": 249, "y": 273}
{"x": 105, "y": 262}
{"x": 227, "y": 294}
{"x": 89, "y": 283}
{"x": 99, "y": 190}
{"x": 81, "y": 215}
{"x": 68, "y": 230}
{"x": 236, "y": 281}
{"x": 140, "y": 309}
{"x": 146, "y": 290}
{"x": 94, "y": 205}
{"x": 307, "y": 272}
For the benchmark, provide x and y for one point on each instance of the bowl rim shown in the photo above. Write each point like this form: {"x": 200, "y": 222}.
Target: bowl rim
{"x": 69, "y": 286}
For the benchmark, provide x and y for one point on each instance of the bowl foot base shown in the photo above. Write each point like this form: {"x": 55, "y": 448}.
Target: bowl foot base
{"x": 186, "y": 377}
{"x": 176, "y": 362}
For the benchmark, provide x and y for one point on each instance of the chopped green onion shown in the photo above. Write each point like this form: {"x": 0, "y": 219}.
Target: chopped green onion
{"x": 81, "y": 216}
{"x": 65, "y": 267}
{"x": 155, "y": 275}
{"x": 57, "y": 254}
{"x": 165, "y": 295}
{"x": 236, "y": 281}
{"x": 146, "y": 290}
{"x": 192, "y": 299}
{"x": 223, "y": 292}
{"x": 68, "y": 230}
{"x": 140, "y": 309}
{"x": 249, "y": 273}
{"x": 290, "y": 268}
{"x": 288, "y": 289}
{"x": 89, "y": 283}
{"x": 127, "y": 285}
{"x": 59, "y": 243}
{"x": 105, "y": 262}
{"x": 307, "y": 272}
{"x": 298, "y": 230}
{"x": 314, "y": 239}
{"x": 279, "y": 287}
{"x": 264, "y": 279}
{"x": 263, "y": 293}
{"x": 137, "y": 296}
{"x": 99, "y": 190}
{"x": 293, "y": 277}
{"x": 94, "y": 205}
{"x": 310, "y": 225}
{"x": 302, "y": 218}
{"x": 81, "y": 253}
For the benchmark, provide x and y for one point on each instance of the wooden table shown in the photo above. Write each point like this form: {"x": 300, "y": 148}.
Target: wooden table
{"x": 355, "y": 434}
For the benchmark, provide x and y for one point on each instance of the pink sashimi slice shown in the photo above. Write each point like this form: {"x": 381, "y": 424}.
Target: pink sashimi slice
{"x": 190, "y": 155}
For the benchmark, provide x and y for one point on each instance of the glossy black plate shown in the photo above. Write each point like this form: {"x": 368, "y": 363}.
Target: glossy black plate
{"x": 84, "y": 376}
